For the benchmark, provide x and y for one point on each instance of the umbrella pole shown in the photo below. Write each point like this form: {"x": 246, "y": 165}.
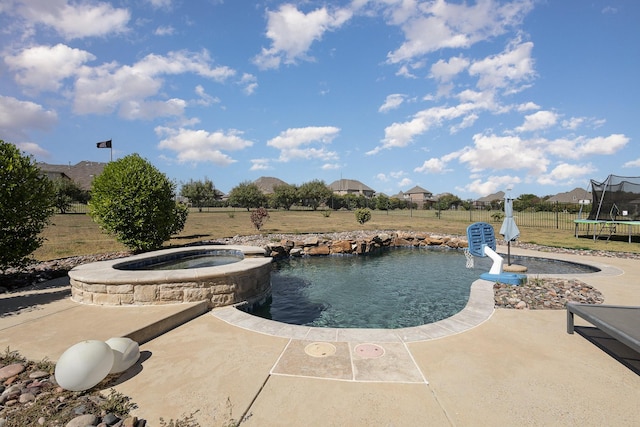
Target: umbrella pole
{"x": 509, "y": 252}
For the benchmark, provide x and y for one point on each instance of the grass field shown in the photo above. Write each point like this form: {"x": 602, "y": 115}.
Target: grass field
{"x": 77, "y": 234}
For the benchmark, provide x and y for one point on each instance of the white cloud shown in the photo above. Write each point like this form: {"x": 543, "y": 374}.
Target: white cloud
{"x": 77, "y": 19}
{"x": 147, "y": 110}
{"x": 205, "y": 99}
{"x": 33, "y": 149}
{"x": 399, "y": 135}
{"x": 538, "y": 121}
{"x": 509, "y": 68}
{"x": 403, "y": 71}
{"x": 164, "y": 30}
{"x": 103, "y": 89}
{"x": 527, "y": 106}
{"x": 431, "y": 26}
{"x": 632, "y": 164}
{"x": 565, "y": 174}
{"x": 260, "y": 164}
{"x": 504, "y": 152}
{"x": 45, "y": 67}
{"x": 160, "y": 3}
{"x": 250, "y": 83}
{"x": 392, "y": 102}
{"x": 573, "y": 123}
{"x": 434, "y": 166}
{"x": 292, "y": 32}
{"x": 201, "y": 146}
{"x": 330, "y": 166}
{"x": 445, "y": 71}
{"x": 582, "y": 146}
{"x": 406, "y": 182}
{"x": 293, "y": 143}
{"x": 492, "y": 185}
{"x": 18, "y": 117}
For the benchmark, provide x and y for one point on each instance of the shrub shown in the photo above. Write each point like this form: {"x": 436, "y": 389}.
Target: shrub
{"x": 258, "y": 217}
{"x": 67, "y": 192}
{"x": 363, "y": 215}
{"x": 135, "y": 202}
{"x": 497, "y": 216}
{"x": 26, "y": 206}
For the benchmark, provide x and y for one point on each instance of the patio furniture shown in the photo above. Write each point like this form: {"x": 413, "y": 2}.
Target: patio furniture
{"x": 621, "y": 322}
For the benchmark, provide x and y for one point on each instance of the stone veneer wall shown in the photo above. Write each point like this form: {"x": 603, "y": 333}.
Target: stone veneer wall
{"x": 315, "y": 245}
{"x": 252, "y": 285}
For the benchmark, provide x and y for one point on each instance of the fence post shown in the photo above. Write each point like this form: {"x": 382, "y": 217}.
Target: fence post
{"x": 557, "y": 216}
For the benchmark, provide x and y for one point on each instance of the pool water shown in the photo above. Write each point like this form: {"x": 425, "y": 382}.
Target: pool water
{"x": 192, "y": 261}
{"x": 395, "y": 289}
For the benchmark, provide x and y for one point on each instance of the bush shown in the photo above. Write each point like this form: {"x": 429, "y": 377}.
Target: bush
{"x": 26, "y": 205}
{"x": 258, "y": 217}
{"x": 134, "y": 201}
{"x": 67, "y": 192}
{"x": 363, "y": 215}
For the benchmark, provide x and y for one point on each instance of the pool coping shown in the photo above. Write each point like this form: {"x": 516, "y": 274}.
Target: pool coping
{"x": 479, "y": 308}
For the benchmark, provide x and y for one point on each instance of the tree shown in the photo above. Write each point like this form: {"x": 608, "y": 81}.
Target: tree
{"x": 258, "y": 217}
{"x": 247, "y": 195}
{"x": 134, "y": 201}
{"x": 26, "y": 206}
{"x": 447, "y": 201}
{"x": 382, "y": 202}
{"x": 285, "y": 195}
{"x": 200, "y": 193}
{"x": 314, "y": 193}
{"x": 66, "y": 192}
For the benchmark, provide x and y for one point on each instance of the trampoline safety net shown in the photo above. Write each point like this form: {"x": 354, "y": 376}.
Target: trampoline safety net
{"x": 616, "y": 199}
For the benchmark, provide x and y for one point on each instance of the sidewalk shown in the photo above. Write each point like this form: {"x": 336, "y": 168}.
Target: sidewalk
{"x": 516, "y": 368}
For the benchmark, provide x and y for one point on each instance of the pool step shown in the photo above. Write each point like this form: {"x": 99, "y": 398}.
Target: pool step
{"x": 153, "y": 330}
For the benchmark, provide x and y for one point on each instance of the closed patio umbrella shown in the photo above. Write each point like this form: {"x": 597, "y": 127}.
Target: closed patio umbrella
{"x": 509, "y": 228}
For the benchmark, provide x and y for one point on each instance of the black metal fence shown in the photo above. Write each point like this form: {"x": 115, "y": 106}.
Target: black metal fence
{"x": 543, "y": 215}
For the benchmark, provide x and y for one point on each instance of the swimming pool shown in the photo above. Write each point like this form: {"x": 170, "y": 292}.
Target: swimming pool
{"x": 395, "y": 289}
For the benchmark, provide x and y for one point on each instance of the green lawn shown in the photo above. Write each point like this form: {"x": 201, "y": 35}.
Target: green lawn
{"x": 77, "y": 234}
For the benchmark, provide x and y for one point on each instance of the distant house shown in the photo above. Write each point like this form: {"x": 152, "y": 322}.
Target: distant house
{"x": 81, "y": 173}
{"x": 351, "y": 186}
{"x": 419, "y": 196}
{"x": 490, "y": 201}
{"x": 266, "y": 184}
{"x": 573, "y": 196}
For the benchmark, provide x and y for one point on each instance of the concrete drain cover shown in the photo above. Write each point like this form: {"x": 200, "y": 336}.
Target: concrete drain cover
{"x": 320, "y": 349}
{"x": 369, "y": 351}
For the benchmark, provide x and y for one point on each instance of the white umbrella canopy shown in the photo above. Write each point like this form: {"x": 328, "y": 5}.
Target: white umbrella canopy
{"x": 509, "y": 228}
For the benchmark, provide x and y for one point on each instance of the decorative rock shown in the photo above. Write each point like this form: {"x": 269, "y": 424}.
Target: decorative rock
{"x": 38, "y": 374}
{"x": 11, "y": 370}
{"x": 110, "y": 419}
{"x": 26, "y": 397}
{"x": 83, "y": 421}
{"x": 130, "y": 422}
{"x": 521, "y": 305}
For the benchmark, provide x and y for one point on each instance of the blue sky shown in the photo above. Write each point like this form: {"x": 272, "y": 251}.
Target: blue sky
{"x": 463, "y": 97}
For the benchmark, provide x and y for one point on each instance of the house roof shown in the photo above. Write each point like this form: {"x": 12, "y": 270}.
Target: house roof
{"x": 81, "y": 173}
{"x": 349, "y": 185}
{"x": 491, "y": 197}
{"x": 573, "y": 196}
{"x": 266, "y": 183}
{"x": 418, "y": 190}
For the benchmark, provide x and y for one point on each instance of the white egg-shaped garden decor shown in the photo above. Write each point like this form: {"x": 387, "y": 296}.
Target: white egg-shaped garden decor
{"x": 84, "y": 365}
{"x": 126, "y": 352}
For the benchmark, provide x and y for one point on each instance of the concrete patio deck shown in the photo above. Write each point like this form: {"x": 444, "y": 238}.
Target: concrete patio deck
{"x": 514, "y": 367}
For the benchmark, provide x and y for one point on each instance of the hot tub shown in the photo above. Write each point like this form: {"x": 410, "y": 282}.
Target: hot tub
{"x": 134, "y": 280}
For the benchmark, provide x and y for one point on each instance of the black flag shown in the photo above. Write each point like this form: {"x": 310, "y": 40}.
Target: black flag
{"x": 104, "y": 144}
